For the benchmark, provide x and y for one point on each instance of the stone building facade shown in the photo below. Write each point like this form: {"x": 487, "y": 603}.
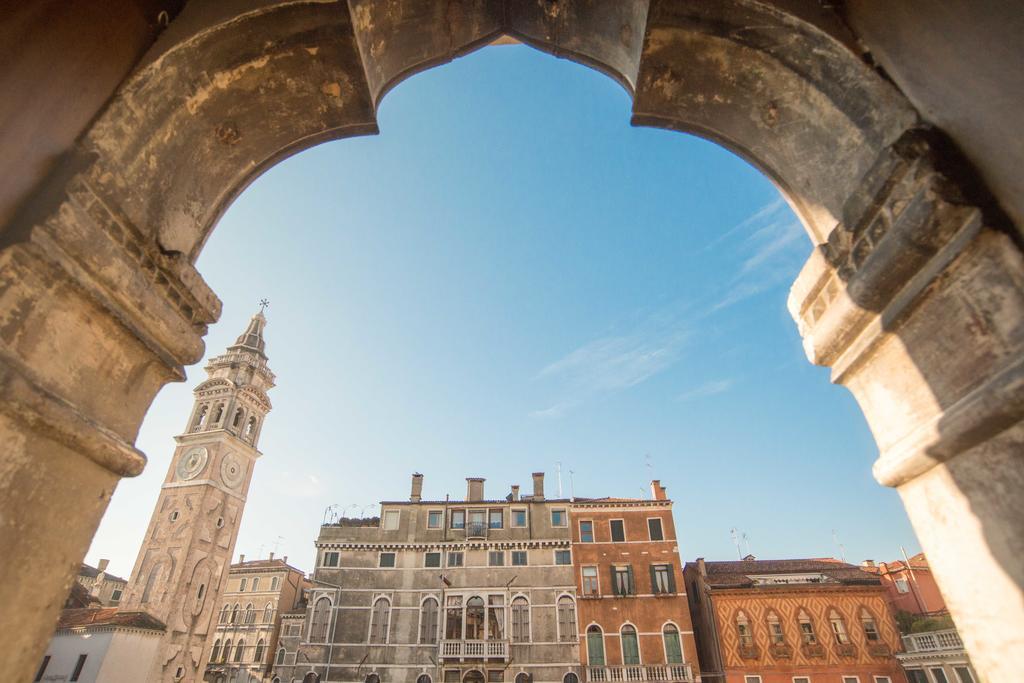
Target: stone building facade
{"x": 461, "y": 591}
{"x": 103, "y": 586}
{"x": 633, "y": 615}
{"x": 245, "y": 640}
{"x": 791, "y": 621}
{"x": 191, "y": 536}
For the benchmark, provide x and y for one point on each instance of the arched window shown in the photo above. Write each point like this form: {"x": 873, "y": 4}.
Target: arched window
{"x": 673, "y": 647}
{"x": 258, "y": 655}
{"x": 475, "y": 618}
{"x": 630, "y": 646}
{"x": 379, "y": 618}
{"x": 743, "y": 630}
{"x": 595, "y": 646}
{"x": 250, "y": 429}
{"x": 311, "y": 678}
{"x": 268, "y": 613}
{"x": 372, "y": 678}
{"x": 495, "y": 617}
{"x": 234, "y": 613}
{"x": 250, "y": 614}
{"x": 319, "y": 622}
{"x": 868, "y": 622}
{"x": 775, "y": 629}
{"x": 239, "y": 650}
{"x": 200, "y": 416}
{"x": 428, "y": 621}
{"x": 218, "y": 414}
{"x": 566, "y": 619}
{"x": 225, "y": 611}
{"x": 523, "y": 677}
{"x": 280, "y": 656}
{"x": 256, "y": 584}
{"x": 237, "y": 421}
{"x": 154, "y": 575}
{"x": 453, "y": 618}
{"x": 570, "y": 678}
{"x": 520, "y": 620}
{"x": 838, "y": 628}
{"x": 806, "y": 628}
{"x": 473, "y": 676}
{"x": 215, "y": 652}
{"x": 423, "y": 678}
{"x": 275, "y": 583}
{"x": 226, "y": 654}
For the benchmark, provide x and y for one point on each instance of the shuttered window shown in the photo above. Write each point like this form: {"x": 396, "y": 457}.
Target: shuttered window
{"x": 595, "y": 646}
{"x": 630, "y": 646}
{"x": 520, "y": 620}
{"x": 663, "y": 579}
{"x": 566, "y": 619}
{"x": 428, "y": 621}
{"x": 673, "y": 648}
{"x": 379, "y": 618}
{"x": 622, "y": 581}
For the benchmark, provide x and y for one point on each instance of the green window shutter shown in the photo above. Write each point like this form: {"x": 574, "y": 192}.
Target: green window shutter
{"x": 615, "y": 583}
{"x": 671, "y": 578}
{"x": 631, "y": 583}
{"x": 654, "y": 578}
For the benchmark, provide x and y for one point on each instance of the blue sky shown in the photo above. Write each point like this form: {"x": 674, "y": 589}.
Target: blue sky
{"x": 510, "y": 276}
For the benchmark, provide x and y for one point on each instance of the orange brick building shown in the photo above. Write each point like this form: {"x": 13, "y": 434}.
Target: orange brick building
{"x": 792, "y": 621}
{"x": 911, "y": 587}
{"x": 633, "y": 617}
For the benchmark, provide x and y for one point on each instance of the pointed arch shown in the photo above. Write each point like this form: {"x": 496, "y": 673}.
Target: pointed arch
{"x": 775, "y": 631}
{"x": 869, "y": 625}
{"x": 215, "y": 652}
{"x": 257, "y": 656}
{"x": 226, "y": 654}
{"x": 743, "y": 629}
{"x": 806, "y": 626}
{"x": 240, "y": 650}
{"x": 281, "y": 652}
{"x": 838, "y": 625}
{"x": 268, "y": 613}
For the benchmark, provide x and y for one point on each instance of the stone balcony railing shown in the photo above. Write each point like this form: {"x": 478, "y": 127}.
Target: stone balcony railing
{"x": 933, "y": 641}
{"x": 474, "y": 649}
{"x": 846, "y": 649}
{"x": 879, "y": 650}
{"x": 625, "y": 674}
{"x": 780, "y": 651}
{"x": 813, "y": 650}
{"x": 750, "y": 651}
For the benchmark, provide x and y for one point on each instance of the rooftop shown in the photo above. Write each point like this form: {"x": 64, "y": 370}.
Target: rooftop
{"x": 93, "y": 572}
{"x": 752, "y": 572}
{"x": 107, "y": 616}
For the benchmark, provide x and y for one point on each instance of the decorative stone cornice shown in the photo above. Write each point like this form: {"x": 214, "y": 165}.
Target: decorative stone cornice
{"x": 440, "y": 545}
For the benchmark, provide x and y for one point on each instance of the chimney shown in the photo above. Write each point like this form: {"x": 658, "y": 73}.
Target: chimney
{"x": 515, "y": 492}
{"x": 285, "y": 559}
{"x": 241, "y": 559}
{"x": 658, "y": 492}
{"x": 474, "y": 489}
{"x": 271, "y": 554}
{"x": 702, "y": 568}
{"x": 867, "y": 563}
{"x": 417, "y": 488}
{"x": 538, "y": 486}
{"x": 103, "y": 565}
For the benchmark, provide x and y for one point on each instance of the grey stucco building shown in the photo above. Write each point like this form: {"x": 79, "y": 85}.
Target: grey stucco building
{"x": 442, "y": 591}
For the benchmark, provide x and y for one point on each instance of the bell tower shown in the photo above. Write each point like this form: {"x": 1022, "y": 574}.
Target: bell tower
{"x": 188, "y": 547}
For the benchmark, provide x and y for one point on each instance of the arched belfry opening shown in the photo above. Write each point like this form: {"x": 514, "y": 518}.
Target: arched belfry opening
{"x": 913, "y": 296}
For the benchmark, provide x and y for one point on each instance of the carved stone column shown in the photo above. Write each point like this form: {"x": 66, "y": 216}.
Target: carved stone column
{"x": 918, "y": 307}
{"x": 96, "y": 319}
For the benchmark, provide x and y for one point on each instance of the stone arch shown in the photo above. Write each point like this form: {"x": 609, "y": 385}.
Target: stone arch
{"x": 903, "y": 250}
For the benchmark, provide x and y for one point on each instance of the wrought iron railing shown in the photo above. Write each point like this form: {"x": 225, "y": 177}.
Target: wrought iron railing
{"x": 639, "y": 672}
{"x": 476, "y": 530}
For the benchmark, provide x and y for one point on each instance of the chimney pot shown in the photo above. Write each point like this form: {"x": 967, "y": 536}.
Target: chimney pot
{"x": 658, "y": 492}
{"x": 538, "y": 486}
{"x": 474, "y": 488}
{"x": 285, "y": 559}
{"x": 515, "y": 492}
{"x": 417, "y": 488}
{"x": 271, "y": 554}
{"x": 103, "y": 565}
{"x": 241, "y": 558}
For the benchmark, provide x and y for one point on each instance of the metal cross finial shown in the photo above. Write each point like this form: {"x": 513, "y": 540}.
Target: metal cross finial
{"x": 263, "y": 304}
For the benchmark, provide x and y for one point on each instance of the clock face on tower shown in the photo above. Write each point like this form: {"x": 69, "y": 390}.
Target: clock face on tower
{"x": 231, "y": 471}
{"x": 192, "y": 463}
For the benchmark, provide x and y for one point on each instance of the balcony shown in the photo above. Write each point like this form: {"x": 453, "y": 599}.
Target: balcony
{"x": 846, "y": 649}
{"x": 474, "y": 649}
{"x": 813, "y": 650}
{"x": 476, "y": 530}
{"x": 780, "y": 651}
{"x": 626, "y": 674}
{"x": 749, "y": 651}
{"x": 933, "y": 641}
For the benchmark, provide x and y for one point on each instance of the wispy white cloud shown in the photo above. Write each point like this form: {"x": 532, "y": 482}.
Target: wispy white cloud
{"x": 719, "y": 386}
{"x": 555, "y": 411}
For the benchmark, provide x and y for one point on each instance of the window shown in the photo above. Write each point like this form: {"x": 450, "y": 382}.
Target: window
{"x": 775, "y": 629}
{"x": 428, "y": 621}
{"x": 256, "y": 584}
{"x": 566, "y": 619}
{"x": 496, "y": 519}
{"x": 115, "y": 596}
{"x": 234, "y": 613}
{"x": 851, "y": 679}
{"x": 452, "y": 676}
{"x": 591, "y": 585}
{"x": 331, "y": 558}
{"x": 520, "y": 620}
{"x": 586, "y": 531}
{"x": 917, "y": 676}
{"x": 242, "y": 585}
{"x": 78, "y": 668}
{"x": 250, "y": 614}
{"x": 570, "y": 678}
{"x": 455, "y": 559}
{"x": 883, "y": 679}
{"x": 518, "y": 519}
{"x": 673, "y": 646}
{"x": 280, "y": 656}
{"x": 622, "y": 580}
{"x": 432, "y": 560}
{"x": 42, "y": 668}
{"x": 434, "y": 519}
{"x": 275, "y": 583}
{"x": 519, "y": 558}
{"x": 458, "y": 519}
{"x": 371, "y": 678}
{"x": 227, "y": 651}
{"x": 563, "y": 557}
{"x": 868, "y": 622}
{"x": 523, "y": 677}
{"x": 558, "y": 518}
{"x": 224, "y": 611}
{"x": 495, "y": 676}
{"x": 319, "y": 622}
{"x": 595, "y": 646}
{"x": 964, "y": 674}
{"x": 391, "y": 520}
{"x": 663, "y": 579}
{"x": 423, "y": 678}
{"x": 801, "y": 679}
{"x": 495, "y": 617}
{"x": 496, "y": 558}
{"x": 258, "y": 655}
{"x": 630, "y": 646}
{"x": 215, "y": 652}
{"x": 751, "y": 679}
{"x": 838, "y": 628}
{"x": 379, "y": 618}
{"x": 746, "y": 636}
{"x": 268, "y": 613}
{"x": 938, "y": 674}
{"x": 477, "y": 523}
{"x": 902, "y": 585}
{"x": 806, "y": 629}
{"x": 618, "y": 529}
{"x": 475, "y": 618}
{"x": 386, "y": 560}
{"x": 239, "y": 650}
{"x": 453, "y": 619}
{"x": 654, "y": 529}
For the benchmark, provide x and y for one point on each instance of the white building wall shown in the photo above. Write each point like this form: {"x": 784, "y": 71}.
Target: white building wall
{"x": 111, "y": 656}
{"x": 130, "y": 657}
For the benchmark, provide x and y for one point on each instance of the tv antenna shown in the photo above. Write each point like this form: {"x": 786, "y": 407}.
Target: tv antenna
{"x": 842, "y": 548}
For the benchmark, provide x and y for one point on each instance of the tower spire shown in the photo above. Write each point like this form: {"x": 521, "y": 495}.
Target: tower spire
{"x": 252, "y": 338}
